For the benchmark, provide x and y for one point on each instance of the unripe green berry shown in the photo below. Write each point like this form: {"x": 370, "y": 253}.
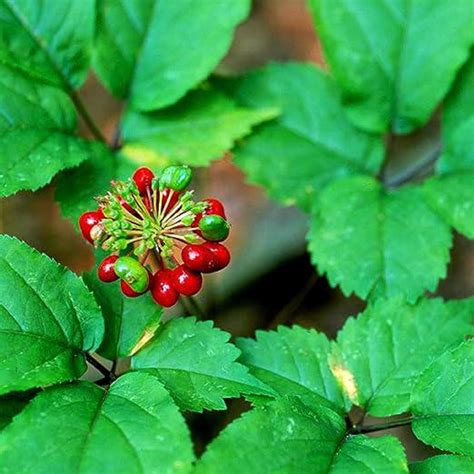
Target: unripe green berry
{"x": 133, "y": 273}
{"x": 214, "y": 228}
{"x": 175, "y": 177}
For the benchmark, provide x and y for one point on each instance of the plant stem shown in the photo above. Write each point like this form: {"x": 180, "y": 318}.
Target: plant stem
{"x": 86, "y": 117}
{"x": 196, "y": 308}
{"x": 102, "y": 369}
{"x": 412, "y": 171}
{"x": 379, "y": 427}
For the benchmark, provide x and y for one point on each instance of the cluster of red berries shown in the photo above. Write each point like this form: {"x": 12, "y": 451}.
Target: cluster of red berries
{"x": 161, "y": 240}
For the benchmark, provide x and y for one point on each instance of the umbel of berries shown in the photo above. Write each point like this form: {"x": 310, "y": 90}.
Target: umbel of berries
{"x": 160, "y": 239}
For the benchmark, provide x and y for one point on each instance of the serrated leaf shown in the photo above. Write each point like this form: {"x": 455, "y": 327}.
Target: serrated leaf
{"x": 37, "y": 125}
{"x": 293, "y": 362}
{"x": 195, "y": 131}
{"x": 366, "y": 455}
{"x": 154, "y": 51}
{"x": 452, "y": 196}
{"x": 378, "y": 52}
{"x": 444, "y": 464}
{"x": 133, "y": 427}
{"x": 77, "y": 188}
{"x": 442, "y": 401}
{"x": 196, "y": 364}
{"x": 44, "y": 41}
{"x": 129, "y": 323}
{"x": 47, "y": 319}
{"x": 450, "y": 192}
{"x": 375, "y": 242}
{"x": 310, "y": 144}
{"x": 287, "y": 437}
{"x": 383, "y": 352}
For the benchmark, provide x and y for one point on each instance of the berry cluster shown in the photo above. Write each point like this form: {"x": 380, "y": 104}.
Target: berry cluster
{"x": 160, "y": 239}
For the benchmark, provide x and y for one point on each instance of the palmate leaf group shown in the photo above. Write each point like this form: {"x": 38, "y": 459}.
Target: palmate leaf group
{"x": 311, "y": 137}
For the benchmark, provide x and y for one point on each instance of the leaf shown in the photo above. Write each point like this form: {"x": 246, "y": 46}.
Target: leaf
{"x": 293, "y": 362}
{"x": 375, "y": 242}
{"x": 311, "y": 144}
{"x": 394, "y": 61}
{"x": 152, "y": 52}
{"x": 198, "y": 129}
{"x": 450, "y": 192}
{"x": 443, "y": 404}
{"x": 384, "y": 351}
{"x": 196, "y": 364}
{"x": 76, "y": 189}
{"x": 287, "y": 436}
{"x": 47, "y": 319}
{"x": 37, "y": 125}
{"x": 443, "y": 464}
{"x": 128, "y": 322}
{"x": 366, "y": 455}
{"x": 134, "y": 427}
{"x": 44, "y": 41}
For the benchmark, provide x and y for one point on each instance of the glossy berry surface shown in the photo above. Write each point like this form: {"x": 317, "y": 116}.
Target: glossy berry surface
{"x": 214, "y": 228}
{"x": 162, "y": 289}
{"x": 221, "y": 254}
{"x": 106, "y": 271}
{"x": 87, "y": 221}
{"x": 186, "y": 281}
{"x": 143, "y": 178}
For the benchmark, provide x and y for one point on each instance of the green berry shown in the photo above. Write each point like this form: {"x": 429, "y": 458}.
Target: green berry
{"x": 133, "y": 273}
{"x": 214, "y": 228}
{"x": 175, "y": 177}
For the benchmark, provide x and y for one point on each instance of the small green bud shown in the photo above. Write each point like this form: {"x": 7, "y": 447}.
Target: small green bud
{"x": 175, "y": 178}
{"x": 187, "y": 221}
{"x": 191, "y": 238}
{"x": 133, "y": 273}
{"x": 214, "y": 228}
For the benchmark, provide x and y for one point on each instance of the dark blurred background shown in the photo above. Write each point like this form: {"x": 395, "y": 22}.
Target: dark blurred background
{"x": 270, "y": 280}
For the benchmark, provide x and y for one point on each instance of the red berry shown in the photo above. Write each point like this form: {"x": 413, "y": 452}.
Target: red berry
{"x": 221, "y": 254}
{"x": 174, "y": 198}
{"x": 162, "y": 290}
{"x": 198, "y": 258}
{"x": 214, "y": 206}
{"x": 106, "y": 270}
{"x": 89, "y": 220}
{"x": 127, "y": 291}
{"x": 186, "y": 281}
{"x": 143, "y": 178}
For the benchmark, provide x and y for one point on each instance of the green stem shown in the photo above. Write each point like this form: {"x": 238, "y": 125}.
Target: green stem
{"x": 89, "y": 121}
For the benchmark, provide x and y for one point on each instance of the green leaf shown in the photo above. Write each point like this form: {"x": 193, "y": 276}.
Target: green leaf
{"x": 450, "y": 193}
{"x": 196, "y": 364}
{"x": 154, "y": 51}
{"x": 394, "y": 61}
{"x": 444, "y": 464}
{"x": 380, "y": 355}
{"x": 47, "y": 319}
{"x": 134, "y": 427}
{"x": 452, "y": 197}
{"x": 37, "y": 125}
{"x": 44, "y": 39}
{"x": 366, "y": 455}
{"x": 443, "y": 404}
{"x": 288, "y": 437}
{"x": 311, "y": 144}
{"x": 376, "y": 242}
{"x": 200, "y": 128}
{"x": 129, "y": 323}
{"x": 77, "y": 188}
{"x": 293, "y": 362}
